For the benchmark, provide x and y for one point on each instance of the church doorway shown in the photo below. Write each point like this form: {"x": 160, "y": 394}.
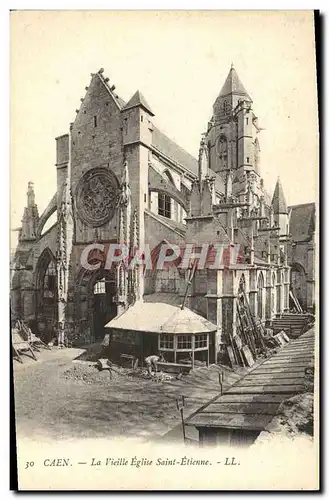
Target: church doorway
{"x": 103, "y": 306}
{"x": 95, "y": 304}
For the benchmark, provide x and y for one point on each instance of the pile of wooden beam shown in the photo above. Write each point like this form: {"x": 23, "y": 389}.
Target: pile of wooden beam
{"x": 249, "y": 342}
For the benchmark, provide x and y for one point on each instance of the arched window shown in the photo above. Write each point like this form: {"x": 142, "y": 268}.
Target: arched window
{"x": 241, "y": 290}
{"x": 46, "y": 281}
{"x": 226, "y": 107}
{"x": 164, "y": 205}
{"x": 164, "y": 200}
{"x": 242, "y": 284}
{"x": 222, "y": 151}
{"x": 260, "y": 289}
{"x": 273, "y": 294}
{"x": 49, "y": 281}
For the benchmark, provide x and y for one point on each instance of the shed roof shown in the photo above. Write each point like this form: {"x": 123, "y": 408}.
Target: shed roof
{"x": 161, "y": 317}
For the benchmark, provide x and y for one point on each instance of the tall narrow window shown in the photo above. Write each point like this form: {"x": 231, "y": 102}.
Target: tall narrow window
{"x": 49, "y": 282}
{"x": 260, "y": 287}
{"x": 95, "y": 121}
{"x": 164, "y": 205}
{"x": 247, "y": 120}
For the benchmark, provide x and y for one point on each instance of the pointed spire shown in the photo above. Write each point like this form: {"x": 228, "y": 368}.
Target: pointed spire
{"x": 233, "y": 85}
{"x": 203, "y": 159}
{"x": 30, "y": 195}
{"x": 125, "y": 186}
{"x": 252, "y": 245}
{"x": 30, "y": 218}
{"x": 279, "y": 202}
{"x": 138, "y": 100}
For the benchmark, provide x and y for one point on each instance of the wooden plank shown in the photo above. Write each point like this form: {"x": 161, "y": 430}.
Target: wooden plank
{"x": 246, "y": 408}
{"x": 284, "y": 366}
{"x": 293, "y": 353}
{"x": 270, "y": 389}
{"x": 306, "y": 341}
{"x": 285, "y": 354}
{"x": 272, "y": 381}
{"x": 251, "y": 422}
{"x": 250, "y": 398}
{"x": 275, "y": 371}
{"x": 231, "y": 356}
{"x": 289, "y": 359}
{"x": 247, "y": 355}
{"x": 289, "y": 362}
{"x": 270, "y": 376}
{"x": 298, "y": 352}
{"x": 297, "y": 348}
{"x": 295, "y": 343}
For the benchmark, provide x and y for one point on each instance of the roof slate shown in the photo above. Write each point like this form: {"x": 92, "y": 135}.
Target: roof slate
{"x": 302, "y": 221}
{"x": 138, "y": 100}
{"x": 279, "y": 203}
{"x": 168, "y": 147}
{"x": 233, "y": 85}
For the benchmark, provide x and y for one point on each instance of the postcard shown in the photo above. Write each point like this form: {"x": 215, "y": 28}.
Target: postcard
{"x": 164, "y": 250}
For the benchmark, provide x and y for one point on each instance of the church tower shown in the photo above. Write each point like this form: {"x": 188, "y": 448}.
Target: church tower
{"x": 232, "y": 133}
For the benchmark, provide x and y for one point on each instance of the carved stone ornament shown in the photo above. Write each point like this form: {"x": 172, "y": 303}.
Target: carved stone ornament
{"x": 97, "y": 196}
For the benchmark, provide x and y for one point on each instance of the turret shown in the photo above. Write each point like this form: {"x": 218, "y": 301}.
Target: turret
{"x": 136, "y": 116}
{"x": 280, "y": 209}
{"x": 30, "y": 218}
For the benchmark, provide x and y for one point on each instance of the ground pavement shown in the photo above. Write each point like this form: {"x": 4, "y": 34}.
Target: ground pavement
{"x": 58, "y": 398}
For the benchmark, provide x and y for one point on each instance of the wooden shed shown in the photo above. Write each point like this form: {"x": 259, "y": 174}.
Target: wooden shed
{"x": 149, "y": 327}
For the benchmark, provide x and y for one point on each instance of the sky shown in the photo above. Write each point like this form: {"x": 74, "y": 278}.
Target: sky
{"x": 179, "y": 60}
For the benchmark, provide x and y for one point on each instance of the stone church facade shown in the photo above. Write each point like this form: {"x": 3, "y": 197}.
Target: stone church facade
{"x": 121, "y": 180}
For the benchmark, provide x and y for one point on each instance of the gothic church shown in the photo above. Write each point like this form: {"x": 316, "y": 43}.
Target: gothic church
{"x": 120, "y": 179}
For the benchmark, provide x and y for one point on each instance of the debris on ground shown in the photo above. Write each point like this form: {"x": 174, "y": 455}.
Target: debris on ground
{"x": 294, "y": 419}
{"x": 89, "y": 374}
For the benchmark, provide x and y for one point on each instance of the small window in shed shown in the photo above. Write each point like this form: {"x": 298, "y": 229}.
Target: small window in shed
{"x": 201, "y": 340}
{"x": 166, "y": 341}
{"x": 184, "y": 342}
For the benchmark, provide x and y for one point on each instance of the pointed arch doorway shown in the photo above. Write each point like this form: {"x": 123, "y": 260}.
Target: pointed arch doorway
{"x": 103, "y": 305}
{"x": 95, "y": 305}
